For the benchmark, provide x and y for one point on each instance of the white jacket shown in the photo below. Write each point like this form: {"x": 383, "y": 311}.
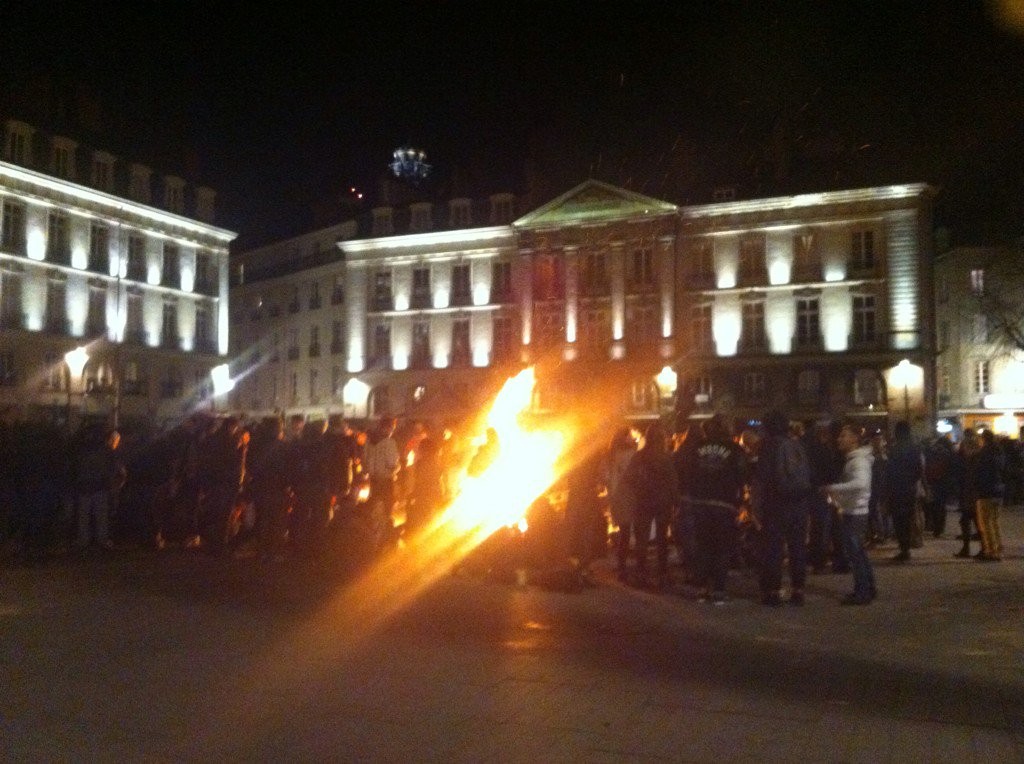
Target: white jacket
{"x": 851, "y": 494}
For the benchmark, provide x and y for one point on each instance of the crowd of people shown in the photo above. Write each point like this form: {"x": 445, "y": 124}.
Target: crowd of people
{"x": 804, "y": 497}
{"x": 776, "y": 497}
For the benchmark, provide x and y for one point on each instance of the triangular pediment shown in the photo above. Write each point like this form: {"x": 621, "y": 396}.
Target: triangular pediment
{"x": 594, "y": 201}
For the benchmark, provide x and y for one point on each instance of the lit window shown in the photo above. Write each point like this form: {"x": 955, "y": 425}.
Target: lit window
{"x": 981, "y": 378}
{"x": 753, "y": 336}
{"x": 978, "y": 281}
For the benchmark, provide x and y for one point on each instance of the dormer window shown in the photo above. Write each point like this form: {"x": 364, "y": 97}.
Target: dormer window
{"x": 174, "y": 194}
{"x": 382, "y": 224}
{"x": 138, "y": 187}
{"x": 421, "y": 216}
{"x": 459, "y": 213}
{"x": 62, "y": 157}
{"x": 205, "y": 198}
{"x": 18, "y": 146}
{"x": 102, "y": 175}
{"x": 502, "y": 208}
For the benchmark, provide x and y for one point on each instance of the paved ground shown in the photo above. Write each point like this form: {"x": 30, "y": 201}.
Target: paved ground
{"x": 176, "y": 656}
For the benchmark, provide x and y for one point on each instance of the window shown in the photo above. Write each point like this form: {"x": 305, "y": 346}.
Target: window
{"x": 13, "y": 234}
{"x": 594, "y": 275}
{"x": 864, "y": 330}
{"x": 751, "y": 259}
{"x": 421, "y": 344}
{"x": 314, "y": 341}
{"x": 642, "y": 271}
{"x": 421, "y": 216}
{"x": 314, "y": 385}
{"x": 806, "y": 261}
{"x": 943, "y": 385}
{"x": 293, "y": 391}
{"x": 338, "y": 291}
{"x": 174, "y": 194}
{"x": 314, "y": 296}
{"x": 808, "y": 322}
{"x": 10, "y": 301}
{"x": 459, "y": 213}
{"x": 204, "y": 336}
{"x": 381, "y": 344}
{"x": 96, "y": 318}
{"x": 701, "y": 337}
{"x": 421, "y": 288}
{"x": 56, "y": 302}
{"x": 548, "y": 326}
{"x": 981, "y": 378}
{"x": 460, "y": 285}
{"x": 293, "y": 303}
{"x": 461, "y": 355}
{"x": 337, "y": 339}
{"x": 867, "y": 388}
{"x": 502, "y": 339}
{"x": 382, "y": 299}
{"x": 293, "y": 344}
{"x": 169, "y": 326}
{"x": 547, "y": 278}
{"x": 501, "y": 282}
{"x": 981, "y": 328}
{"x": 702, "y": 389}
{"x": 170, "y": 276}
{"x": 595, "y": 327}
{"x": 102, "y": 173}
{"x": 704, "y": 262}
{"x": 337, "y": 386}
{"x": 58, "y": 239}
{"x": 99, "y": 248}
{"x": 640, "y": 395}
{"x": 862, "y": 250}
{"x": 136, "y": 258}
{"x": 18, "y": 143}
{"x": 754, "y": 386}
{"x": 641, "y": 323}
{"x": 978, "y": 282}
{"x": 753, "y": 336}
{"x": 502, "y": 208}
{"x": 808, "y": 385}
{"x": 63, "y": 159}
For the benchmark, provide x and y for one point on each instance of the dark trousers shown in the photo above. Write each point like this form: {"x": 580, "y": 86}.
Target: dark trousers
{"x": 903, "y": 521}
{"x": 824, "y": 542}
{"x": 854, "y": 528}
{"x": 935, "y": 508}
{"x": 642, "y": 528}
{"x": 715, "y": 530}
{"x": 784, "y": 530}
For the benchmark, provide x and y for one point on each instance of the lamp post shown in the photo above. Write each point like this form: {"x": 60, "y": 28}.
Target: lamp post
{"x": 76, "y": 360}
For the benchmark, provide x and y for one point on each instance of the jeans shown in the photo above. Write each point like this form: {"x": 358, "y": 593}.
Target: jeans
{"x": 853, "y": 528}
{"x": 716, "y": 542}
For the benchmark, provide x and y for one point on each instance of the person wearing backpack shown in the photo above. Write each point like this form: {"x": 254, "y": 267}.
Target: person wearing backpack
{"x": 851, "y": 496}
{"x": 783, "y": 481}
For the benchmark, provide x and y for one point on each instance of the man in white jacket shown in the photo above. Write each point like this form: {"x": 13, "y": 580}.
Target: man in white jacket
{"x": 851, "y": 496}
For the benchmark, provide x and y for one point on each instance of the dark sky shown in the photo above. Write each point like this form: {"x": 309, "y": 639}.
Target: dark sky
{"x": 279, "y": 110}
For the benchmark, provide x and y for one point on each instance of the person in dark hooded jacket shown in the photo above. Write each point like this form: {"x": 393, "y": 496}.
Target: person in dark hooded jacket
{"x": 656, "y": 490}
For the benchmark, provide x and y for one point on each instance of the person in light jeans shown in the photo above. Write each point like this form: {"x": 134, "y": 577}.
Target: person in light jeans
{"x": 851, "y": 496}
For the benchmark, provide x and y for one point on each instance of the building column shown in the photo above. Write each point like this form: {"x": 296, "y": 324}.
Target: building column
{"x": 355, "y": 307}
{"x": 571, "y": 258}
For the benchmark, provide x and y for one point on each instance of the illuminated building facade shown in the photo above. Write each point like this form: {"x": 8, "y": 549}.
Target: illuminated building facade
{"x": 93, "y": 256}
{"x": 622, "y": 301}
{"x": 819, "y": 304}
{"x": 979, "y": 375}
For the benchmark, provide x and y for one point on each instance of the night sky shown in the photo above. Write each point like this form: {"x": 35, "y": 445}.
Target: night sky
{"x": 282, "y": 111}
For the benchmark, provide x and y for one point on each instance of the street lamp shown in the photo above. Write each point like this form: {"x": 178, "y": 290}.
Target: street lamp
{"x": 76, "y": 360}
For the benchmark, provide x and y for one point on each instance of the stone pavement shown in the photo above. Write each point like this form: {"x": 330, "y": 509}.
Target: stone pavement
{"x": 179, "y": 657}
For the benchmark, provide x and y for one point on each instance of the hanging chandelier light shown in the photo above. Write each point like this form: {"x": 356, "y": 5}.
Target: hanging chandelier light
{"x": 410, "y": 164}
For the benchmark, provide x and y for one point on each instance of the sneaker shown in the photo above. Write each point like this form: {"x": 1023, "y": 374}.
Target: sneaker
{"x": 963, "y": 553}
{"x": 719, "y": 598}
{"x": 704, "y": 595}
{"x": 796, "y": 598}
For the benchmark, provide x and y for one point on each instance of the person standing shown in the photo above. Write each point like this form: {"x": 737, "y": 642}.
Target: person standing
{"x": 656, "y": 487}
{"x": 904, "y": 470}
{"x": 712, "y": 483}
{"x": 782, "y": 498}
{"x": 381, "y": 463}
{"x": 989, "y": 487}
{"x": 621, "y": 499}
{"x": 966, "y": 471}
{"x": 99, "y": 475}
{"x": 851, "y": 495}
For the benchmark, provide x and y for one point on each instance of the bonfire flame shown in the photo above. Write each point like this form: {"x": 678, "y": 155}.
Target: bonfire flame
{"x": 524, "y": 467}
